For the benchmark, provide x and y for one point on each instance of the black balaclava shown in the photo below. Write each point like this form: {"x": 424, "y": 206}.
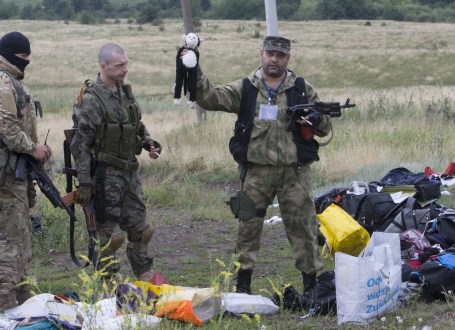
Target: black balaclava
{"x": 15, "y": 43}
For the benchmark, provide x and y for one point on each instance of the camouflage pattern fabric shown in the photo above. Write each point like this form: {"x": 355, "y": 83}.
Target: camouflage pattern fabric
{"x": 270, "y": 144}
{"x": 86, "y": 119}
{"x": 121, "y": 186}
{"x": 125, "y": 187}
{"x": 273, "y": 172}
{"x": 16, "y": 135}
{"x": 293, "y": 190}
{"x": 277, "y": 43}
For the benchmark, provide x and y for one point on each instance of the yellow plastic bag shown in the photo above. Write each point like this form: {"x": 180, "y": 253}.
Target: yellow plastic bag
{"x": 342, "y": 232}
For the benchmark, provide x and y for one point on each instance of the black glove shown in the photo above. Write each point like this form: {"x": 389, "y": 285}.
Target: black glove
{"x": 314, "y": 117}
{"x": 146, "y": 145}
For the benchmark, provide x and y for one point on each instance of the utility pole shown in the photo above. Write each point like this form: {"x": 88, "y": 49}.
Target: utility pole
{"x": 187, "y": 16}
{"x": 271, "y": 18}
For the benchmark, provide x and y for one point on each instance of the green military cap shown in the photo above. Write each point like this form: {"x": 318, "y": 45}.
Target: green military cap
{"x": 279, "y": 44}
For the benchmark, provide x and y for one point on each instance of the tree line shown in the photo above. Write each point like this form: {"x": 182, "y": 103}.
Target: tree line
{"x": 152, "y": 11}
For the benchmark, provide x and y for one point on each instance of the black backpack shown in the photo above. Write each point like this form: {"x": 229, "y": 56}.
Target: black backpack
{"x": 327, "y": 197}
{"x": 436, "y": 280}
{"x": 372, "y": 209}
{"x": 322, "y": 300}
{"x": 446, "y": 226}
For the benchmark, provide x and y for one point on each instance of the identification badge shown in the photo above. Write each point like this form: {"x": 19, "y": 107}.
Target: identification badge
{"x": 268, "y": 112}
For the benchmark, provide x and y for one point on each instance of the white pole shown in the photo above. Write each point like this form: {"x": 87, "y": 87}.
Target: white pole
{"x": 271, "y": 18}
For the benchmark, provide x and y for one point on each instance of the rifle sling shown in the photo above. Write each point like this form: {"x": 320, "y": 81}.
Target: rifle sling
{"x": 69, "y": 188}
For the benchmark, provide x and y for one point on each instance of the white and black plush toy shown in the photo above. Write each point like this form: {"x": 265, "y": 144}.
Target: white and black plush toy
{"x": 186, "y": 71}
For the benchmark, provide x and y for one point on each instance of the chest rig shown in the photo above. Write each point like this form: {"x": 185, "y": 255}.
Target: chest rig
{"x": 119, "y": 137}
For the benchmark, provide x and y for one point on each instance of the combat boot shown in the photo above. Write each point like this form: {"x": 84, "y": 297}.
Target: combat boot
{"x": 244, "y": 281}
{"x": 309, "y": 282}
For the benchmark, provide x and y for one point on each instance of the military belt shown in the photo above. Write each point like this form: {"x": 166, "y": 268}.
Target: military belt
{"x": 117, "y": 162}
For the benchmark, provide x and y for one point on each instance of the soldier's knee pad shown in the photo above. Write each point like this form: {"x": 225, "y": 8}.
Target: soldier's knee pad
{"x": 116, "y": 241}
{"x": 147, "y": 235}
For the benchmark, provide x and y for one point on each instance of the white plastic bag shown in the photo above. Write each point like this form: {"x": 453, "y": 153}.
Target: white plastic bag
{"x": 368, "y": 285}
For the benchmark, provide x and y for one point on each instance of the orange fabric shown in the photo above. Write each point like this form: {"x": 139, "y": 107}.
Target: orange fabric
{"x": 178, "y": 310}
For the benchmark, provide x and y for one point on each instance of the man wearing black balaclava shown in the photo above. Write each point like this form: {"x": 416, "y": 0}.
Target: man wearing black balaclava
{"x": 18, "y": 134}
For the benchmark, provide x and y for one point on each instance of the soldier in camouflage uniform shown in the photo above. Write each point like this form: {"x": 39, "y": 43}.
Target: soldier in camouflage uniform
{"x": 274, "y": 169}
{"x": 18, "y": 134}
{"x": 109, "y": 135}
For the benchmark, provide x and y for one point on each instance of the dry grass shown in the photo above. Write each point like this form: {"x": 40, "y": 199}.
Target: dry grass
{"x": 398, "y": 74}
{"x": 386, "y": 65}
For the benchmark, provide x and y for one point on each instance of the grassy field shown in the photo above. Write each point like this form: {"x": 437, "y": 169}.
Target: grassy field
{"x": 398, "y": 74}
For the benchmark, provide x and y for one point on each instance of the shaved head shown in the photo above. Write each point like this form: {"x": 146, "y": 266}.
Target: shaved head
{"x": 106, "y": 52}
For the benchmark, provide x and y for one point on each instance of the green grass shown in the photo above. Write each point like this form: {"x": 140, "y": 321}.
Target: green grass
{"x": 399, "y": 76}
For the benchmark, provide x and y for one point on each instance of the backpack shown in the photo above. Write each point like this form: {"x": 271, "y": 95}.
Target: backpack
{"x": 327, "y": 197}
{"x": 428, "y": 190}
{"x": 321, "y": 300}
{"x": 402, "y": 176}
{"x": 446, "y": 226}
{"x": 373, "y": 207}
{"x": 436, "y": 280}
{"x": 405, "y": 215}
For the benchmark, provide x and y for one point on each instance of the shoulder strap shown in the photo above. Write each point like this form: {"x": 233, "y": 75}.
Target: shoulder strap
{"x": 297, "y": 94}
{"x": 22, "y": 98}
{"x": 93, "y": 89}
{"x": 247, "y": 102}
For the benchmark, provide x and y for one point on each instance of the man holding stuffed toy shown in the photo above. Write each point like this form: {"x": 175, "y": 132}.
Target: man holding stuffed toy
{"x": 18, "y": 135}
{"x": 109, "y": 135}
{"x": 273, "y": 162}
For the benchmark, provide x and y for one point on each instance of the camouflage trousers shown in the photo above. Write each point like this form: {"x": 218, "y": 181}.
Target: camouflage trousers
{"x": 292, "y": 187}
{"x": 15, "y": 246}
{"x": 124, "y": 211}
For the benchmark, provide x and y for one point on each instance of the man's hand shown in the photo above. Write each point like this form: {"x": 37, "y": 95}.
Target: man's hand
{"x": 314, "y": 118}
{"x": 155, "y": 149}
{"x": 83, "y": 195}
{"x": 185, "y": 50}
{"x": 42, "y": 152}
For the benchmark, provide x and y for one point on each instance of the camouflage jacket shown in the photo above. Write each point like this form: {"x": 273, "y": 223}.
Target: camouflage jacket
{"x": 87, "y": 117}
{"x": 19, "y": 135}
{"x": 270, "y": 144}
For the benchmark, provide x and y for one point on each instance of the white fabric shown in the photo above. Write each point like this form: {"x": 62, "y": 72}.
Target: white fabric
{"x": 245, "y": 303}
{"x": 43, "y": 305}
{"x": 368, "y": 285}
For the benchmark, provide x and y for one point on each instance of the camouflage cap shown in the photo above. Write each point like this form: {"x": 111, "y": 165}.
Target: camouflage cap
{"x": 277, "y": 43}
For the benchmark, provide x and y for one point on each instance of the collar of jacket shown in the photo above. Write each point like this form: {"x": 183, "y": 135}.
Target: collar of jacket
{"x": 107, "y": 92}
{"x": 7, "y": 66}
{"x": 256, "y": 79}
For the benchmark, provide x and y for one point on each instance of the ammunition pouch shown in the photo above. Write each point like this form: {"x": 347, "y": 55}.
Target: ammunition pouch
{"x": 238, "y": 144}
{"x": 243, "y": 207}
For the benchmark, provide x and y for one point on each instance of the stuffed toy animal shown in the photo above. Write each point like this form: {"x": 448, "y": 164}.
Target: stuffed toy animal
{"x": 186, "y": 71}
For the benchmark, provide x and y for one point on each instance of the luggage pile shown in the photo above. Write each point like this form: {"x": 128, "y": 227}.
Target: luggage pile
{"x": 402, "y": 203}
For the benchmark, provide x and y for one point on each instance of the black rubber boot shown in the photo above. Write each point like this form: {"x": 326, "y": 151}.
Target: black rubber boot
{"x": 309, "y": 282}
{"x": 244, "y": 281}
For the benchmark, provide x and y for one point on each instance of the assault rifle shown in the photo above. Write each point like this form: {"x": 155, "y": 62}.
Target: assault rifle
{"x": 333, "y": 109}
{"x": 89, "y": 211}
{"x": 37, "y": 173}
